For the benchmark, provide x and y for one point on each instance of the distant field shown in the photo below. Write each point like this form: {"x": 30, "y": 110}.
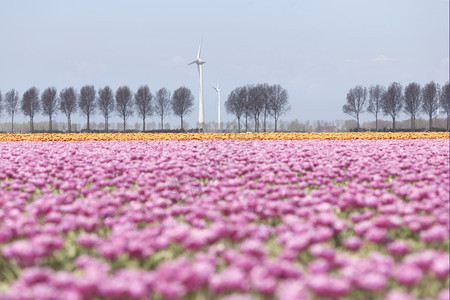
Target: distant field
{"x": 224, "y": 216}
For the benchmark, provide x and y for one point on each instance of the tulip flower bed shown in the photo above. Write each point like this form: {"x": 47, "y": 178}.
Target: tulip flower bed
{"x": 57, "y": 137}
{"x": 227, "y": 219}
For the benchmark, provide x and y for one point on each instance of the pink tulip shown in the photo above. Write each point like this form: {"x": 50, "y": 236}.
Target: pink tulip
{"x": 398, "y": 295}
{"x": 231, "y": 278}
{"x": 328, "y": 286}
{"x": 444, "y": 294}
{"x": 262, "y": 281}
{"x": 352, "y": 243}
{"x": 408, "y": 274}
{"x": 320, "y": 266}
{"x": 291, "y": 290}
{"x": 88, "y": 239}
{"x": 253, "y": 248}
{"x": 440, "y": 266}
{"x": 437, "y": 233}
{"x": 371, "y": 281}
{"x": 398, "y": 248}
{"x": 375, "y": 235}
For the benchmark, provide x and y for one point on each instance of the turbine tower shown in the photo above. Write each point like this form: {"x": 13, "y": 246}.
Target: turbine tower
{"x": 216, "y": 88}
{"x": 199, "y": 61}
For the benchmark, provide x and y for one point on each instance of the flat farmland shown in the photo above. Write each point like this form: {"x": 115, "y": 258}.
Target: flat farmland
{"x": 224, "y": 216}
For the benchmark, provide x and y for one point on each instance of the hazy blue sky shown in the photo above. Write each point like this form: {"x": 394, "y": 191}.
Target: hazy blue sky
{"x": 315, "y": 49}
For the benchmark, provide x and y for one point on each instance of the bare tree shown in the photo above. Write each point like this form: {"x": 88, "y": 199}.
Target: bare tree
{"x": 86, "y": 102}
{"x": 392, "y": 101}
{"x": 245, "y": 99}
{"x": 182, "y": 103}
{"x": 375, "y": 97}
{"x": 30, "y": 104}
{"x": 105, "y": 102}
{"x": 356, "y": 103}
{"x": 162, "y": 104}
{"x": 429, "y": 101}
{"x": 445, "y": 101}
{"x": 256, "y": 103}
{"x": 143, "y": 99}
{"x": 279, "y": 103}
{"x": 68, "y": 104}
{"x": 11, "y": 101}
{"x": 265, "y": 90}
{"x": 124, "y": 103}
{"x": 412, "y": 102}
{"x": 235, "y": 104}
{"x": 49, "y": 104}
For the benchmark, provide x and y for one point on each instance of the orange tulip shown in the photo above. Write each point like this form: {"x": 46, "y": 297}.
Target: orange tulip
{"x": 221, "y": 136}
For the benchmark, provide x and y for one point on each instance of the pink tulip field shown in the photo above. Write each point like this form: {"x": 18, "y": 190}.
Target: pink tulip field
{"x": 225, "y": 219}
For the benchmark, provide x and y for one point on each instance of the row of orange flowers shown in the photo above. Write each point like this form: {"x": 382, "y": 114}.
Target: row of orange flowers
{"x": 221, "y": 136}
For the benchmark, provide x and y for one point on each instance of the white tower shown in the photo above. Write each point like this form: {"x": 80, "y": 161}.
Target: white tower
{"x": 216, "y": 88}
{"x": 199, "y": 61}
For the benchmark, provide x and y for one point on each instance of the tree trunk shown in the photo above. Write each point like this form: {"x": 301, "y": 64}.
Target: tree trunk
{"x": 246, "y": 123}
{"x": 69, "y": 124}
{"x": 182, "y": 123}
{"x": 239, "y": 125}
{"x": 265, "y": 117}
{"x": 276, "y": 120}
{"x": 393, "y": 123}
{"x": 431, "y": 121}
{"x": 143, "y": 124}
{"x": 88, "y": 123}
{"x": 376, "y": 121}
{"x": 162, "y": 123}
{"x": 31, "y": 125}
{"x": 106, "y": 124}
{"x": 357, "y": 122}
{"x": 50, "y": 123}
{"x": 412, "y": 123}
{"x": 124, "y": 124}
{"x": 12, "y": 123}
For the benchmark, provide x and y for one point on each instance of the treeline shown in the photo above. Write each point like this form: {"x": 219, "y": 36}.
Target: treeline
{"x": 258, "y": 102}
{"x": 390, "y": 101}
{"x": 88, "y": 101}
{"x": 295, "y": 125}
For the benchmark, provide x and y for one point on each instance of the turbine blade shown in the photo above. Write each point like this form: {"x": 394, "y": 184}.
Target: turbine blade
{"x": 195, "y": 61}
{"x": 199, "y": 53}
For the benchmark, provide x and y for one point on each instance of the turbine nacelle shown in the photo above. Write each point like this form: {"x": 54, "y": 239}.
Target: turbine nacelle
{"x": 198, "y": 61}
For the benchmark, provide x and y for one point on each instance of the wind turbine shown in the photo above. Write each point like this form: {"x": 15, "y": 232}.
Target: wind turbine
{"x": 199, "y": 61}
{"x": 216, "y": 88}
